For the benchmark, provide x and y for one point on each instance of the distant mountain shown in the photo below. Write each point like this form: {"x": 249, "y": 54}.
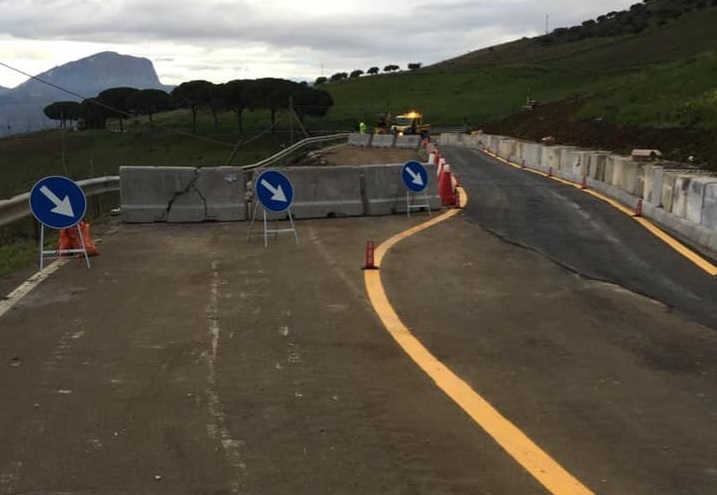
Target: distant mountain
{"x": 21, "y": 107}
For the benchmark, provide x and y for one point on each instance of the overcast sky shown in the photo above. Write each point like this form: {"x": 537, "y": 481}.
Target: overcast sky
{"x": 221, "y": 40}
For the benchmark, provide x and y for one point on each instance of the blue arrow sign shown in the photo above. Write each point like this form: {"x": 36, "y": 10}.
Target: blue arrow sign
{"x": 415, "y": 176}
{"x": 57, "y": 202}
{"x": 274, "y": 191}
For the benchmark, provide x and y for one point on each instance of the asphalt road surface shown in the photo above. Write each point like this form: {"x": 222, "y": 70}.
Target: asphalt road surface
{"x": 187, "y": 361}
{"x": 581, "y": 233}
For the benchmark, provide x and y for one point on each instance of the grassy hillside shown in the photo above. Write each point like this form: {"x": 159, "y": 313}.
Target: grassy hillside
{"x": 692, "y": 33}
{"x": 26, "y": 158}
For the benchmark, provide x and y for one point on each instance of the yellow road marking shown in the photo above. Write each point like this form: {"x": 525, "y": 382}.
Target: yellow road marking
{"x": 516, "y": 443}
{"x": 688, "y": 253}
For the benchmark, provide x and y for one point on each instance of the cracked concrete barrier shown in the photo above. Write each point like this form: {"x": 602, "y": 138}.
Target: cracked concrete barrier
{"x": 325, "y": 192}
{"x": 181, "y": 194}
{"x": 384, "y": 192}
{"x": 160, "y": 194}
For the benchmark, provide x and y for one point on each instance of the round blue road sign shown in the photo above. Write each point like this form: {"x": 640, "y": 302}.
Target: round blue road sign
{"x": 414, "y": 176}
{"x": 57, "y": 202}
{"x": 274, "y": 191}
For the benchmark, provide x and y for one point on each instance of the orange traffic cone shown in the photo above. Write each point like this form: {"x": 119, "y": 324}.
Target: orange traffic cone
{"x": 638, "y": 208}
{"x": 584, "y": 183}
{"x": 445, "y": 186}
{"x": 70, "y": 239}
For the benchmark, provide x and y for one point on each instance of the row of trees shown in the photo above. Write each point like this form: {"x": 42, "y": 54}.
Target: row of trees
{"x": 237, "y": 96}
{"x": 358, "y": 73}
{"x": 636, "y": 19}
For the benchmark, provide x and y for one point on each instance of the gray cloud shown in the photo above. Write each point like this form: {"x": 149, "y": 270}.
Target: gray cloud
{"x": 414, "y": 30}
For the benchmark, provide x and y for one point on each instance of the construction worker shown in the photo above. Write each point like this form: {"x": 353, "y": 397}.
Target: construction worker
{"x": 362, "y": 128}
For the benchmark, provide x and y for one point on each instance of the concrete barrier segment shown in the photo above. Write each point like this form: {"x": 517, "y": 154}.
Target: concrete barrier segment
{"x": 161, "y": 194}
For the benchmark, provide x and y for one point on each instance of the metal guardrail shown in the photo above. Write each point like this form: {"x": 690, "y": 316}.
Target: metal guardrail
{"x": 18, "y": 207}
{"x": 297, "y": 147}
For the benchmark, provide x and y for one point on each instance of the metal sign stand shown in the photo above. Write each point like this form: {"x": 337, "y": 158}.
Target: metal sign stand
{"x": 267, "y": 230}
{"x": 58, "y": 253}
{"x": 412, "y": 205}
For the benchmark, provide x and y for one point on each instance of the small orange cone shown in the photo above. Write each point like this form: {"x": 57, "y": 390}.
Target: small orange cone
{"x": 70, "y": 239}
{"x": 370, "y": 263}
{"x": 584, "y": 183}
{"x": 638, "y": 208}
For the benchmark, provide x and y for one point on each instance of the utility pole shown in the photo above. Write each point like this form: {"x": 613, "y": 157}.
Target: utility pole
{"x": 547, "y": 23}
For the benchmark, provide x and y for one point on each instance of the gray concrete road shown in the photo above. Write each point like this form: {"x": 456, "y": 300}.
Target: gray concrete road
{"x": 186, "y": 361}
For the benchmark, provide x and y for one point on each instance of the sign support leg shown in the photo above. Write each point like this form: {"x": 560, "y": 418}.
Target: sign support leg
{"x": 84, "y": 248}
{"x": 251, "y": 222}
{"x": 42, "y": 246}
{"x": 293, "y": 229}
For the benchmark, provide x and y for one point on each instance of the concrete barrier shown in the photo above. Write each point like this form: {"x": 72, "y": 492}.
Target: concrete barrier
{"x": 321, "y": 192}
{"x": 624, "y": 173}
{"x": 358, "y": 139}
{"x": 573, "y": 164}
{"x": 709, "y": 208}
{"x": 551, "y": 157}
{"x": 688, "y": 198}
{"x": 160, "y": 194}
{"x": 188, "y": 194}
{"x": 506, "y": 148}
{"x": 385, "y": 192}
{"x": 669, "y": 180}
{"x": 596, "y": 165}
{"x": 383, "y": 140}
{"x": 680, "y": 193}
{"x": 696, "y": 196}
{"x": 652, "y": 186}
{"x": 223, "y": 190}
{"x": 532, "y": 154}
{"x": 408, "y": 142}
{"x": 473, "y": 141}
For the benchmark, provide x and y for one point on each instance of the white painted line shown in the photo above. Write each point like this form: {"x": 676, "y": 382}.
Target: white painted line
{"x": 26, "y": 287}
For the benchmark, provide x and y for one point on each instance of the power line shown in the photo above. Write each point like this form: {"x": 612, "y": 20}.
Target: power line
{"x": 108, "y": 107}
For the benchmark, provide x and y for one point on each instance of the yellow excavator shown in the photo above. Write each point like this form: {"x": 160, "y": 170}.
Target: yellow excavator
{"x": 409, "y": 124}
{"x": 406, "y": 124}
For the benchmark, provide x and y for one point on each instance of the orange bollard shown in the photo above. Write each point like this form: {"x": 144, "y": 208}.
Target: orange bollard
{"x": 370, "y": 250}
{"x": 638, "y": 208}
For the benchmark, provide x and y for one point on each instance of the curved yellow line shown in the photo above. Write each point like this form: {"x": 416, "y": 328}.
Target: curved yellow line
{"x": 516, "y": 443}
{"x": 688, "y": 253}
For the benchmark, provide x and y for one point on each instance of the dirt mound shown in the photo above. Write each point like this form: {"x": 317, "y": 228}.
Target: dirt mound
{"x": 558, "y": 120}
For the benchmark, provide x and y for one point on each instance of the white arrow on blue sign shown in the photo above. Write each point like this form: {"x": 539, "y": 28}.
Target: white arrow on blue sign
{"x": 274, "y": 191}
{"x": 57, "y": 202}
{"x": 415, "y": 176}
